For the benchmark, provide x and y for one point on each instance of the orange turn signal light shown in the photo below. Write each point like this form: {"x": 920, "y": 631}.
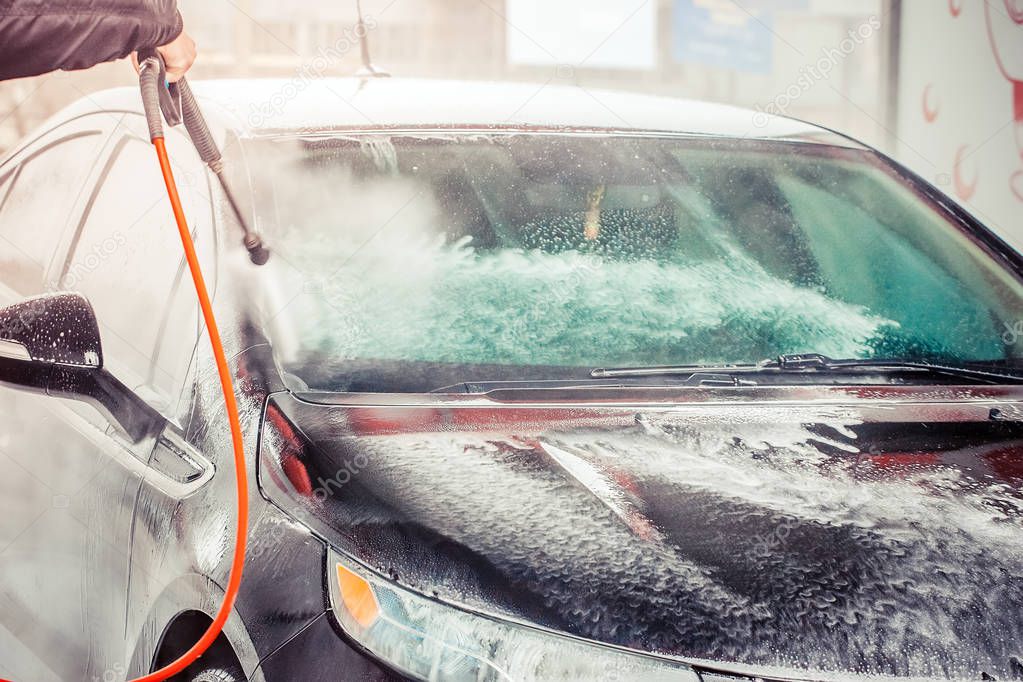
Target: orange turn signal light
{"x": 357, "y": 596}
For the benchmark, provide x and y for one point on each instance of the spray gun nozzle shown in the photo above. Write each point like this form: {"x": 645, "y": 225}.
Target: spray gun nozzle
{"x": 258, "y": 253}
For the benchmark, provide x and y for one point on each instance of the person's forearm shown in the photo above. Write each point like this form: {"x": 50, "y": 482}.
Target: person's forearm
{"x": 37, "y": 36}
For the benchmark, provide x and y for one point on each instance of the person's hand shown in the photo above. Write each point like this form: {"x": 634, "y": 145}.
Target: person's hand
{"x": 178, "y": 56}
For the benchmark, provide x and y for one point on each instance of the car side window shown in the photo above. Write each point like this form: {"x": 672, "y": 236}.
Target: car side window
{"x": 35, "y": 205}
{"x": 127, "y": 260}
{"x": 176, "y": 345}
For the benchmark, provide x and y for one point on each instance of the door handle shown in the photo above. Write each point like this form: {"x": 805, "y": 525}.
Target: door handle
{"x": 177, "y": 459}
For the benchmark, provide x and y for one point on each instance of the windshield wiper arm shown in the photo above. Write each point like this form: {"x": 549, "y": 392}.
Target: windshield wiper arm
{"x": 808, "y": 363}
{"x": 811, "y": 361}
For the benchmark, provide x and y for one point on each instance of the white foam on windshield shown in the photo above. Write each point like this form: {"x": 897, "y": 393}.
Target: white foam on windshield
{"x": 403, "y": 298}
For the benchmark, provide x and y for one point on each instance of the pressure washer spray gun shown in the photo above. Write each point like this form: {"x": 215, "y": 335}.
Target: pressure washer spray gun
{"x": 177, "y": 104}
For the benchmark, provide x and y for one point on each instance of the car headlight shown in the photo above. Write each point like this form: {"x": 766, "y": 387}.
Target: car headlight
{"x": 430, "y": 640}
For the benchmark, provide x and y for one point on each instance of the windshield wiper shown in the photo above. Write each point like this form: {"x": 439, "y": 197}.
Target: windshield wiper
{"x": 810, "y": 363}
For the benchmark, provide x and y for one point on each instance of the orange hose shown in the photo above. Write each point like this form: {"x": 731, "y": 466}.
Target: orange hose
{"x": 238, "y": 563}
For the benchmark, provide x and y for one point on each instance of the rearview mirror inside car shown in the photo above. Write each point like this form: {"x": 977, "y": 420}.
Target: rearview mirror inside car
{"x": 51, "y": 345}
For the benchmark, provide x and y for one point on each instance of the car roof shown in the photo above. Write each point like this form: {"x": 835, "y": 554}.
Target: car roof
{"x": 307, "y": 105}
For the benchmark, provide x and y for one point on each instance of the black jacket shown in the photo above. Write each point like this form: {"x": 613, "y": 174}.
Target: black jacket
{"x": 38, "y": 36}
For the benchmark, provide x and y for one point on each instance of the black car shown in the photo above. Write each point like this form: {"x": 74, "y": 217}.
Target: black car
{"x": 536, "y": 385}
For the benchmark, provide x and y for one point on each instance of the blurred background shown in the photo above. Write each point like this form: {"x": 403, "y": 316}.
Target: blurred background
{"x": 938, "y": 84}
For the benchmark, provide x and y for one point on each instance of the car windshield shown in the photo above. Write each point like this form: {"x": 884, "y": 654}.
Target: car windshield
{"x": 410, "y": 262}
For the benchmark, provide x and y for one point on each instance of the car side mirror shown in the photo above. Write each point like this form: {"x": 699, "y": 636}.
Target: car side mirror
{"x": 55, "y": 329}
{"x": 51, "y": 345}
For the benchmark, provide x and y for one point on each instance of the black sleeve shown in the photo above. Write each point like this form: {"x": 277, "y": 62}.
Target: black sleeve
{"x": 38, "y": 36}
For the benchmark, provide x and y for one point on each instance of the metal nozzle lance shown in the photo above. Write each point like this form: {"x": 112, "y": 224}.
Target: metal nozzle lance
{"x": 178, "y": 105}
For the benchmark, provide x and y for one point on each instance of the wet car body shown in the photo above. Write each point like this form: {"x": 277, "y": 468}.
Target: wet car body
{"x": 783, "y": 531}
{"x": 794, "y": 562}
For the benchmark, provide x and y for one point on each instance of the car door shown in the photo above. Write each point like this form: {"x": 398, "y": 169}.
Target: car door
{"x": 50, "y": 459}
{"x": 122, "y": 252}
{"x": 126, "y": 258}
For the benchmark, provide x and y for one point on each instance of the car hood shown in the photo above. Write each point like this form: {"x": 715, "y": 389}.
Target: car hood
{"x": 860, "y": 535}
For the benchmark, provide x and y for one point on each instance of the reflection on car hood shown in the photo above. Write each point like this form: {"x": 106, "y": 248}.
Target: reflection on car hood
{"x": 806, "y": 538}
